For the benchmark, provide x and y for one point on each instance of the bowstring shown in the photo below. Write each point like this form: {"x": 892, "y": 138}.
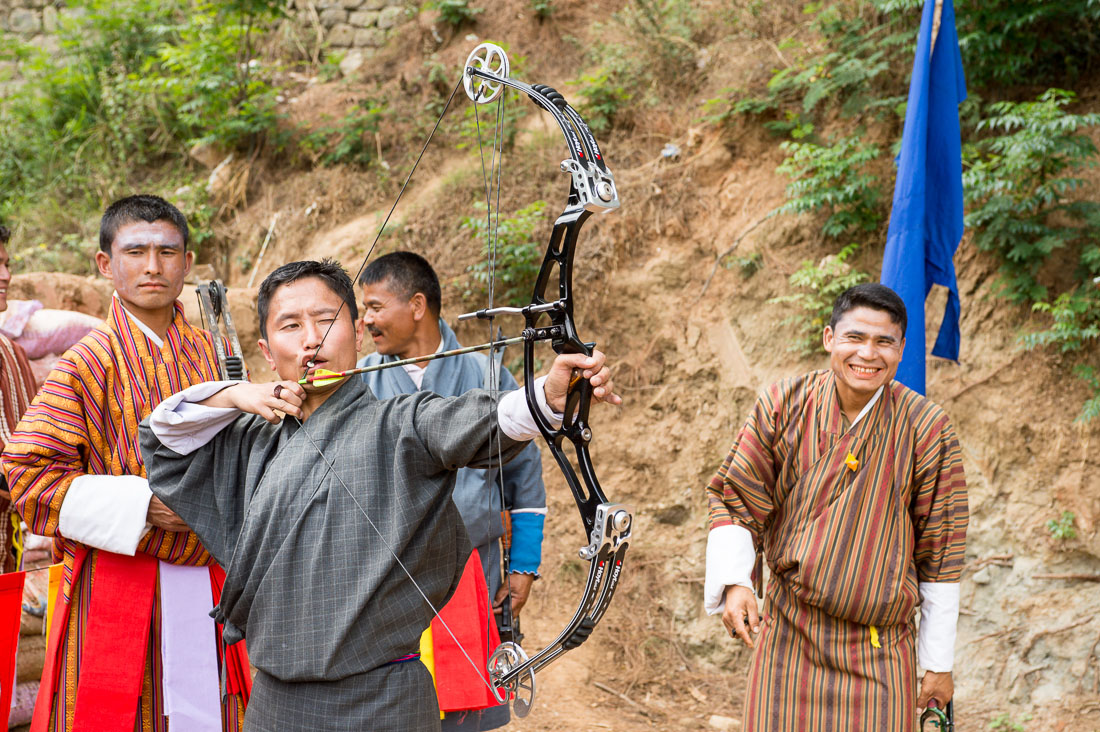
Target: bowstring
{"x": 320, "y": 452}
{"x": 505, "y": 557}
{"x": 385, "y": 221}
{"x": 492, "y": 213}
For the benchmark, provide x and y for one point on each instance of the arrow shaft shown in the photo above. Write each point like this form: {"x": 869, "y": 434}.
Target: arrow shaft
{"x": 415, "y": 359}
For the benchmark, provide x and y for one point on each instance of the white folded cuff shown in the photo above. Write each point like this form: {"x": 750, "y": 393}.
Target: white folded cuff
{"x": 730, "y": 558}
{"x": 106, "y": 512}
{"x": 515, "y": 418}
{"x": 939, "y": 619}
{"x": 183, "y": 426}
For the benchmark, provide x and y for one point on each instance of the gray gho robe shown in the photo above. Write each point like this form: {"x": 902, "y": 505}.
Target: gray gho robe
{"x": 319, "y": 596}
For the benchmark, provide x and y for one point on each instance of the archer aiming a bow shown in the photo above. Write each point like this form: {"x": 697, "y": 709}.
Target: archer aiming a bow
{"x": 335, "y": 634}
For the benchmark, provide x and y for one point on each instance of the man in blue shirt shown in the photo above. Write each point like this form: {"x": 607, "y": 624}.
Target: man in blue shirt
{"x": 401, "y": 306}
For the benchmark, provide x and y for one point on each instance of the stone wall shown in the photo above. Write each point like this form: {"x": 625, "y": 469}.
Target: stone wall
{"x": 345, "y": 24}
{"x": 354, "y": 23}
{"x": 31, "y": 20}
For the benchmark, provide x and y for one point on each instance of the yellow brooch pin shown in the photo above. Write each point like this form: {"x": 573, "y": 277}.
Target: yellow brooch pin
{"x": 852, "y": 462}
{"x": 874, "y": 637}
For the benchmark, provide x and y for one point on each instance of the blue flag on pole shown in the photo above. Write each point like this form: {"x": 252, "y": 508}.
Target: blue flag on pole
{"x": 926, "y": 221}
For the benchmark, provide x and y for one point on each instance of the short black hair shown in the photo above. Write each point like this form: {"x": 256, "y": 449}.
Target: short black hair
{"x": 5, "y": 234}
{"x": 874, "y": 296}
{"x": 139, "y": 208}
{"x": 410, "y": 273}
{"x": 327, "y": 270}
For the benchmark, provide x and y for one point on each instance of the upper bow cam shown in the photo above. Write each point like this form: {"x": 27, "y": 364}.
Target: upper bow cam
{"x": 549, "y": 317}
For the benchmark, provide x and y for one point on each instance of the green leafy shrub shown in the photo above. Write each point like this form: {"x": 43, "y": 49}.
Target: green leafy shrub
{"x": 543, "y": 8}
{"x": 833, "y": 178}
{"x": 351, "y": 140}
{"x": 456, "y": 12}
{"x": 856, "y": 72}
{"x": 603, "y": 99}
{"x": 1018, "y": 41}
{"x": 518, "y": 254}
{"x": 1062, "y": 528}
{"x": 1018, "y": 185}
{"x": 209, "y": 76}
{"x": 70, "y": 253}
{"x": 1004, "y": 723}
{"x": 647, "y": 45}
{"x": 1027, "y": 41}
{"x": 133, "y": 84}
{"x": 1075, "y": 327}
{"x": 821, "y": 284}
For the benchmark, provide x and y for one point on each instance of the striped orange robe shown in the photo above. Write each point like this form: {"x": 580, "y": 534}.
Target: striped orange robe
{"x": 17, "y": 389}
{"x": 85, "y": 421}
{"x": 846, "y": 549}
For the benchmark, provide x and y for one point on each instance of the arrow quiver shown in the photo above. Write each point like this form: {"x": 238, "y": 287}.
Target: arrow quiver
{"x": 214, "y": 307}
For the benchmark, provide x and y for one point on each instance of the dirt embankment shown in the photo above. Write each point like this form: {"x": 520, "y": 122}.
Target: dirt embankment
{"x": 690, "y": 367}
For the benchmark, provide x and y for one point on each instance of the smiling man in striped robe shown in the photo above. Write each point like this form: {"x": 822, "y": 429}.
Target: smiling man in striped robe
{"x": 852, "y": 486}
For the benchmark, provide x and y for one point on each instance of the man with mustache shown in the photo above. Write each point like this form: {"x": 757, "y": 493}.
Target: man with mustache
{"x": 131, "y": 644}
{"x": 852, "y": 486}
{"x": 15, "y": 396}
{"x": 401, "y": 306}
{"x": 335, "y": 524}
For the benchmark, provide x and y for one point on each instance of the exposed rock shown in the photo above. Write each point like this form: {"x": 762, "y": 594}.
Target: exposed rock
{"x": 207, "y": 154}
{"x": 717, "y": 721}
{"x": 24, "y": 21}
{"x": 62, "y": 291}
{"x": 220, "y": 176}
{"x": 390, "y": 17}
{"x": 363, "y": 18}
{"x": 330, "y": 17}
{"x": 341, "y": 34}
{"x": 370, "y": 38}
{"x": 351, "y": 63}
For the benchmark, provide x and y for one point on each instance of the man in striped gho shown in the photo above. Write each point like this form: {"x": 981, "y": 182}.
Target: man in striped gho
{"x": 131, "y": 643}
{"x": 852, "y": 486}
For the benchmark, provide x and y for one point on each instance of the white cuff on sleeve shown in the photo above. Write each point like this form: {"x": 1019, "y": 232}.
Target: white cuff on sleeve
{"x": 106, "y": 512}
{"x": 730, "y": 557}
{"x": 515, "y": 416}
{"x": 183, "y": 426}
{"x": 939, "y": 618}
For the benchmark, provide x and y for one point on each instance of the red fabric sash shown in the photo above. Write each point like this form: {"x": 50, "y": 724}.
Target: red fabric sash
{"x": 40, "y": 722}
{"x": 467, "y": 615}
{"x": 238, "y": 674}
{"x": 11, "y": 606}
{"x": 115, "y": 643}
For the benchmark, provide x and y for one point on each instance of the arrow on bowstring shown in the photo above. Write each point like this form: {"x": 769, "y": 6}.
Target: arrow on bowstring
{"x": 324, "y": 377}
